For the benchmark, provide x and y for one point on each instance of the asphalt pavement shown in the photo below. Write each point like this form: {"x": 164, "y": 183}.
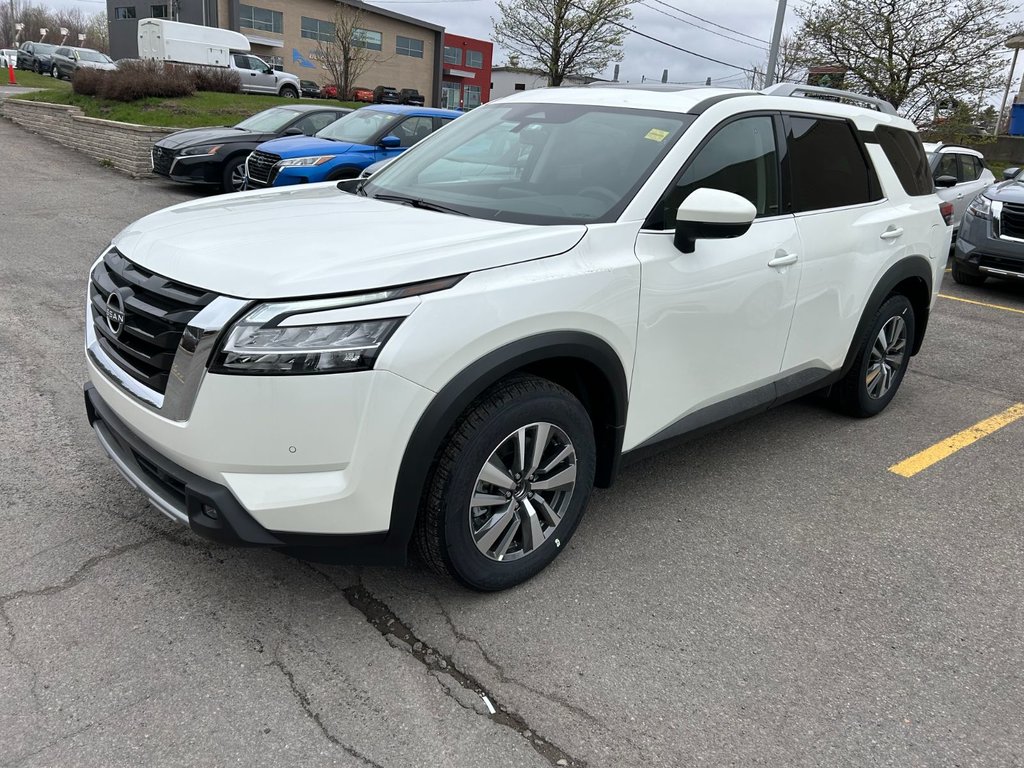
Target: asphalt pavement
{"x": 768, "y": 595}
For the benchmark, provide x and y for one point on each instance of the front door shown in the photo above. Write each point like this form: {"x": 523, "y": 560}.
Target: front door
{"x": 714, "y": 323}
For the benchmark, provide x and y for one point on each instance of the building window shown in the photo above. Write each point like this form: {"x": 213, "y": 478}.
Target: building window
{"x": 450, "y": 95}
{"x": 367, "y": 38}
{"x": 471, "y": 96}
{"x": 452, "y": 55}
{"x": 158, "y": 11}
{"x": 409, "y": 46}
{"x": 475, "y": 59}
{"x": 124, "y": 12}
{"x": 520, "y": 86}
{"x": 315, "y": 29}
{"x": 276, "y": 62}
{"x": 263, "y": 19}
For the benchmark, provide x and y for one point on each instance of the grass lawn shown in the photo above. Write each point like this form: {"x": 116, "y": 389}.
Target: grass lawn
{"x": 204, "y": 108}
{"x": 28, "y": 79}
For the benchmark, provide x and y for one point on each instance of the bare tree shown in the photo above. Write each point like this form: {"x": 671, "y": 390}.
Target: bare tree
{"x": 346, "y": 55}
{"x": 98, "y": 32}
{"x": 38, "y": 17}
{"x": 563, "y": 37}
{"x": 912, "y": 53}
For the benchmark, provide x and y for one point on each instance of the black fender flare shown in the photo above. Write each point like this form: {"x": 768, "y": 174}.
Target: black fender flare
{"x": 442, "y": 412}
{"x": 910, "y": 267}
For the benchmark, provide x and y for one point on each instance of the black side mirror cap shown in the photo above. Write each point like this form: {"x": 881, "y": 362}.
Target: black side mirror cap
{"x": 945, "y": 181}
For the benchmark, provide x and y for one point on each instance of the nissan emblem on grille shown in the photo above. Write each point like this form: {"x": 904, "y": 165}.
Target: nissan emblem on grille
{"x": 115, "y": 313}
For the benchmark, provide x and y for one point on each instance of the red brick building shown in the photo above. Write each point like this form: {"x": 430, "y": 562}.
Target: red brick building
{"x": 465, "y": 72}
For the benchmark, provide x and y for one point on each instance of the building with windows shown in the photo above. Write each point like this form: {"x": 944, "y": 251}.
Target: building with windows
{"x": 507, "y": 80}
{"x": 466, "y": 72}
{"x": 406, "y": 52}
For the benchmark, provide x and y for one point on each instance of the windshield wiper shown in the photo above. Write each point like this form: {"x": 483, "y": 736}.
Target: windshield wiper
{"x": 415, "y": 202}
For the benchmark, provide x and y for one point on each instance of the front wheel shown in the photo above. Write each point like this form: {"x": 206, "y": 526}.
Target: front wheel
{"x": 233, "y": 177}
{"x": 882, "y": 360}
{"x": 510, "y": 486}
{"x": 289, "y": 92}
{"x": 54, "y": 72}
{"x": 963, "y": 277}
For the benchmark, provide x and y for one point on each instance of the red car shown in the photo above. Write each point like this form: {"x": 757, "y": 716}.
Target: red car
{"x": 329, "y": 91}
{"x": 362, "y": 94}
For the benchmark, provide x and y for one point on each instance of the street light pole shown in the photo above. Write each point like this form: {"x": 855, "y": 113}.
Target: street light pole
{"x": 773, "y": 52}
{"x": 1016, "y": 43}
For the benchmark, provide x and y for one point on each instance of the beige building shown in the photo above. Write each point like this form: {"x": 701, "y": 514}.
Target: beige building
{"x": 405, "y": 52}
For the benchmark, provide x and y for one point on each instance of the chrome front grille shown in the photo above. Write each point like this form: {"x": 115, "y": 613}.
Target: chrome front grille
{"x": 155, "y": 313}
{"x": 260, "y": 167}
{"x": 1011, "y": 221}
{"x": 163, "y": 159}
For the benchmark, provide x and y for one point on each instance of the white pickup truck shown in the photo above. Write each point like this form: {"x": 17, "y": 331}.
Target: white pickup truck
{"x": 164, "y": 40}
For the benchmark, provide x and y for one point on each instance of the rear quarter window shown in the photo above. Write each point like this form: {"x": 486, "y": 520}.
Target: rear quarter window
{"x": 907, "y": 156}
{"x": 828, "y": 165}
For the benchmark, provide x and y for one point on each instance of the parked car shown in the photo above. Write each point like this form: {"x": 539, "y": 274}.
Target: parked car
{"x": 960, "y": 174}
{"x": 66, "y": 61}
{"x": 216, "y": 156}
{"x": 990, "y": 242}
{"x": 8, "y": 57}
{"x": 343, "y": 149}
{"x": 310, "y": 89}
{"x": 329, "y": 91}
{"x": 259, "y": 77}
{"x": 410, "y": 96}
{"x": 362, "y": 94}
{"x": 454, "y": 364}
{"x": 36, "y": 57}
{"x": 385, "y": 94}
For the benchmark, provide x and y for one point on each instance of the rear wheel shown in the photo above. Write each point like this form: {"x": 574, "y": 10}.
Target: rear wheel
{"x": 510, "y": 485}
{"x": 882, "y": 360}
{"x": 963, "y": 277}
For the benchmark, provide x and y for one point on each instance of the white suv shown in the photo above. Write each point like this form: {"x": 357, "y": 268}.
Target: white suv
{"x": 456, "y": 354}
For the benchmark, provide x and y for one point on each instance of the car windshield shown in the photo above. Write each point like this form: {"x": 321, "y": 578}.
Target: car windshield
{"x": 268, "y": 121}
{"x": 535, "y": 163}
{"x": 94, "y": 56}
{"x": 358, "y": 127}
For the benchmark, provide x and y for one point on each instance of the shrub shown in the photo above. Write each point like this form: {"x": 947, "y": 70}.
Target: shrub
{"x": 87, "y": 81}
{"x": 135, "y": 80}
{"x": 219, "y": 79}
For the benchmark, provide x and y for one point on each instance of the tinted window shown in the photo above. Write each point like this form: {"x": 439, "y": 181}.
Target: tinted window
{"x": 316, "y": 122}
{"x": 970, "y": 168}
{"x": 828, "y": 167}
{"x": 946, "y": 166}
{"x": 907, "y": 157}
{"x": 739, "y": 158}
{"x": 414, "y": 129}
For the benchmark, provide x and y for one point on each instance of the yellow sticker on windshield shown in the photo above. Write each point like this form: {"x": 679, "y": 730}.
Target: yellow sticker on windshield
{"x": 656, "y": 134}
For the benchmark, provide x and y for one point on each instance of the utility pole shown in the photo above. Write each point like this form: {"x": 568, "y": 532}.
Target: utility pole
{"x": 773, "y": 53}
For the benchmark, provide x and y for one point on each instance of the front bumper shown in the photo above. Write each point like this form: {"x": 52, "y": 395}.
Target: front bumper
{"x": 199, "y": 169}
{"x": 979, "y": 251}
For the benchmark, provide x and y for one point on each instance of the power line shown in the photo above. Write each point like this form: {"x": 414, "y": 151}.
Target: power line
{"x": 677, "y": 47}
{"x": 708, "y": 21}
{"x": 697, "y": 26}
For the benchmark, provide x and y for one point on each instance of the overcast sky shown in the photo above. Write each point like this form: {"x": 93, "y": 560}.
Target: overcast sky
{"x": 641, "y": 57}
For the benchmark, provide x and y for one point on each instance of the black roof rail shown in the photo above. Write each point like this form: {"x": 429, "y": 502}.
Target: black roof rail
{"x": 665, "y": 87}
{"x": 797, "y": 89}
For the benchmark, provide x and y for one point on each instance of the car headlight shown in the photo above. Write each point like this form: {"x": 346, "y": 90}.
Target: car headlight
{"x": 208, "y": 149}
{"x": 981, "y": 207}
{"x": 306, "y": 161}
{"x": 308, "y": 336}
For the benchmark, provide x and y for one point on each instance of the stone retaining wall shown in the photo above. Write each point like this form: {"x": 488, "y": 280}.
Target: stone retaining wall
{"x": 123, "y": 146}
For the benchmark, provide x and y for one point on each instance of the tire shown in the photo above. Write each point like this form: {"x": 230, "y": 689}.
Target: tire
{"x": 39, "y": 68}
{"x": 885, "y": 357}
{"x": 54, "y": 72}
{"x": 963, "y": 277}
{"x": 289, "y": 92}
{"x": 523, "y": 528}
{"x": 230, "y": 175}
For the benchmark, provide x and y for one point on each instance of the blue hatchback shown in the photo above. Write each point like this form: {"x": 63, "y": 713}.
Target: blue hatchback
{"x": 345, "y": 147}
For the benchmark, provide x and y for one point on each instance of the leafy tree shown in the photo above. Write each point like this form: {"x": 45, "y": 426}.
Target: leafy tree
{"x": 912, "y": 53}
{"x": 563, "y": 37}
{"x": 345, "y": 55}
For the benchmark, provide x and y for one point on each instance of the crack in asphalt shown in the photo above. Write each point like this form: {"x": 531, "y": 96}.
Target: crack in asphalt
{"x": 455, "y": 682}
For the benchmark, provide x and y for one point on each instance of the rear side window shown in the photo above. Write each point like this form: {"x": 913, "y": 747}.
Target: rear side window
{"x": 829, "y": 168}
{"x": 970, "y": 168}
{"x": 907, "y": 157}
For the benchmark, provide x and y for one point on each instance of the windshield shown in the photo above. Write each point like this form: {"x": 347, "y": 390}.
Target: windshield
{"x": 94, "y": 56}
{"x": 268, "y": 121}
{"x": 536, "y": 163}
{"x": 358, "y": 127}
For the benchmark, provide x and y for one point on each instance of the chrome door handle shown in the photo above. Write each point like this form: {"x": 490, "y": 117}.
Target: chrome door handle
{"x": 783, "y": 259}
{"x": 891, "y": 233}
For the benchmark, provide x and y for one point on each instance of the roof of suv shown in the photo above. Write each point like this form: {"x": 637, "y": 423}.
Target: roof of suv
{"x": 942, "y": 148}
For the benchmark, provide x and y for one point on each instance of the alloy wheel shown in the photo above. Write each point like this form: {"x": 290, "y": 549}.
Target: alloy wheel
{"x": 522, "y": 492}
{"x": 238, "y": 177}
{"x": 887, "y": 356}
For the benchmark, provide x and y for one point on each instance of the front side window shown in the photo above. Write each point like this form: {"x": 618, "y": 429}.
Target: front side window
{"x": 276, "y": 63}
{"x": 367, "y": 38}
{"x": 409, "y": 46}
{"x": 946, "y": 166}
{"x": 827, "y": 165}
{"x": 905, "y": 152}
{"x": 124, "y": 12}
{"x": 414, "y": 130}
{"x": 535, "y": 163}
{"x": 474, "y": 59}
{"x": 315, "y": 29}
{"x": 452, "y": 55}
{"x": 263, "y": 19}
{"x": 741, "y": 158}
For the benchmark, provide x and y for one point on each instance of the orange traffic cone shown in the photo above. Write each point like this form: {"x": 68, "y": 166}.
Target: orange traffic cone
{"x": 10, "y": 73}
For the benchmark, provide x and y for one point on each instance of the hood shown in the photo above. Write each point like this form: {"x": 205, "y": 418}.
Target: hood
{"x": 306, "y": 146}
{"x": 195, "y": 136}
{"x": 316, "y": 240}
{"x": 97, "y": 65}
{"x": 1011, "y": 191}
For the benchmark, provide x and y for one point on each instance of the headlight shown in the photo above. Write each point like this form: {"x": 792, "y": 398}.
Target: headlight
{"x": 306, "y": 161}
{"x": 981, "y": 206}
{"x": 207, "y": 149}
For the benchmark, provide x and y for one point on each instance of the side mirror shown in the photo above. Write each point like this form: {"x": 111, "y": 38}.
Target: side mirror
{"x": 294, "y": 132}
{"x": 945, "y": 181}
{"x": 708, "y": 214}
{"x": 391, "y": 142}
{"x": 1010, "y": 173}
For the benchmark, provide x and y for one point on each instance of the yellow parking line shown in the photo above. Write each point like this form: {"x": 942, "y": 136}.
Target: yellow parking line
{"x": 949, "y": 446}
{"x": 983, "y": 304}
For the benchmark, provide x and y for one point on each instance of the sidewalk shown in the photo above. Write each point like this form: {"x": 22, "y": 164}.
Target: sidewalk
{"x": 14, "y": 90}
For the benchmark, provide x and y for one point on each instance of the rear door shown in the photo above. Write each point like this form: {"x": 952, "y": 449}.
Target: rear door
{"x": 970, "y": 184}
